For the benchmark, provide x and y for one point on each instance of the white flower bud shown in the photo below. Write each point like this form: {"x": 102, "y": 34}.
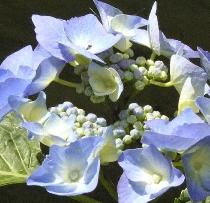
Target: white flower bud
{"x": 127, "y": 139}
{"x": 148, "y": 109}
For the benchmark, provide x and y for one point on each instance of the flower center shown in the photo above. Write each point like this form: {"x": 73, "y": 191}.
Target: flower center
{"x": 74, "y": 175}
{"x": 156, "y": 178}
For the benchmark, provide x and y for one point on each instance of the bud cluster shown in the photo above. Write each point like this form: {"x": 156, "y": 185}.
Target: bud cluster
{"x": 131, "y": 125}
{"x": 85, "y": 124}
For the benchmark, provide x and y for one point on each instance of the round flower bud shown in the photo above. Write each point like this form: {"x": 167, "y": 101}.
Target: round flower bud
{"x": 124, "y": 124}
{"x": 130, "y": 52}
{"x": 88, "y": 91}
{"x": 71, "y": 111}
{"x": 138, "y": 125}
{"x": 66, "y": 105}
{"x": 131, "y": 119}
{"x": 101, "y": 122}
{"x": 80, "y": 131}
{"x": 81, "y": 112}
{"x": 127, "y": 139}
{"x": 53, "y": 110}
{"x": 138, "y": 112}
{"x": 125, "y": 64}
{"x": 63, "y": 114}
{"x": 81, "y": 119}
{"x": 165, "y": 117}
{"x": 139, "y": 85}
{"x": 149, "y": 116}
{"x": 77, "y": 125}
{"x": 87, "y": 124}
{"x": 160, "y": 65}
{"x": 119, "y": 143}
{"x": 156, "y": 114}
{"x": 133, "y": 67}
{"x": 123, "y": 114}
{"x": 163, "y": 76}
{"x": 143, "y": 70}
{"x": 116, "y": 58}
{"x": 135, "y": 134}
{"x": 141, "y": 61}
{"x": 132, "y": 106}
{"x": 148, "y": 109}
{"x": 128, "y": 76}
{"x": 88, "y": 132}
{"x": 91, "y": 117}
{"x": 150, "y": 62}
{"x": 125, "y": 56}
{"x": 119, "y": 132}
{"x": 138, "y": 74}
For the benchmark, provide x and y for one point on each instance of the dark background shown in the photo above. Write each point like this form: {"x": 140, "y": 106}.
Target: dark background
{"x": 186, "y": 20}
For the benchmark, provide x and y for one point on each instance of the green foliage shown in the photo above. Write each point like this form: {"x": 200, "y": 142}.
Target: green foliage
{"x": 18, "y": 155}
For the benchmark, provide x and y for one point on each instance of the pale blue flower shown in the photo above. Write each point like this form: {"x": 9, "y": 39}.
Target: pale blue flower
{"x": 146, "y": 175}
{"x": 83, "y": 35}
{"x": 154, "y": 39}
{"x": 69, "y": 171}
{"x": 197, "y": 169}
{"x": 176, "y": 135}
{"x": 115, "y": 21}
{"x": 31, "y": 111}
{"x": 104, "y": 81}
{"x": 20, "y": 75}
{"x": 53, "y": 131}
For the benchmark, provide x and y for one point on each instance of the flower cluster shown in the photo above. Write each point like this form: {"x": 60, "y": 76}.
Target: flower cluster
{"x": 154, "y": 153}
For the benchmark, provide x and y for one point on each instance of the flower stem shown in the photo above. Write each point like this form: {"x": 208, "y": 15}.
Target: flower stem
{"x": 153, "y": 56}
{"x": 108, "y": 187}
{"x": 84, "y": 199}
{"x": 160, "y": 84}
{"x": 65, "y": 83}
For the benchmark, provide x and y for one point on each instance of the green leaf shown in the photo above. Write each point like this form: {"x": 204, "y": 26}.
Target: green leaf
{"x": 18, "y": 155}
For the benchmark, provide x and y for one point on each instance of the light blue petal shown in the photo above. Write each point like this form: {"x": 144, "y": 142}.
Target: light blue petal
{"x": 12, "y": 86}
{"x": 127, "y": 194}
{"x": 181, "y": 69}
{"x": 23, "y": 57}
{"x": 197, "y": 168}
{"x": 50, "y": 31}
{"x": 88, "y": 34}
{"x": 107, "y": 12}
{"x": 45, "y": 74}
{"x": 203, "y": 104}
{"x": 205, "y": 60}
{"x": 127, "y": 24}
{"x": 192, "y": 88}
{"x": 142, "y": 37}
{"x": 157, "y": 125}
{"x": 30, "y": 110}
{"x": 5, "y": 74}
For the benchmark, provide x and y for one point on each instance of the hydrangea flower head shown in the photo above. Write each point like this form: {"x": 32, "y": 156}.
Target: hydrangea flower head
{"x": 71, "y": 170}
{"x": 146, "y": 175}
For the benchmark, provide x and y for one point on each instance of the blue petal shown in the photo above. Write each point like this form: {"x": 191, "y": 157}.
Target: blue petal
{"x": 23, "y": 57}
{"x": 107, "y": 12}
{"x": 46, "y": 73}
{"x": 50, "y": 31}
{"x": 203, "y": 104}
{"x": 196, "y": 166}
{"x": 205, "y": 60}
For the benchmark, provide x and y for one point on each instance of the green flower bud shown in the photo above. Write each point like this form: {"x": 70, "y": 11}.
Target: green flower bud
{"x": 143, "y": 70}
{"x": 127, "y": 139}
{"x": 126, "y": 56}
{"x": 95, "y": 99}
{"x": 139, "y": 85}
{"x": 81, "y": 119}
{"x": 119, "y": 144}
{"x": 148, "y": 109}
{"x": 163, "y": 76}
{"x": 133, "y": 67}
{"x": 135, "y": 134}
{"x": 128, "y": 76}
{"x": 150, "y": 62}
{"x": 131, "y": 119}
{"x": 116, "y": 58}
{"x": 130, "y": 52}
{"x": 80, "y": 131}
{"x": 164, "y": 117}
{"x": 156, "y": 114}
{"x": 149, "y": 116}
{"x": 138, "y": 125}
{"x": 141, "y": 61}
